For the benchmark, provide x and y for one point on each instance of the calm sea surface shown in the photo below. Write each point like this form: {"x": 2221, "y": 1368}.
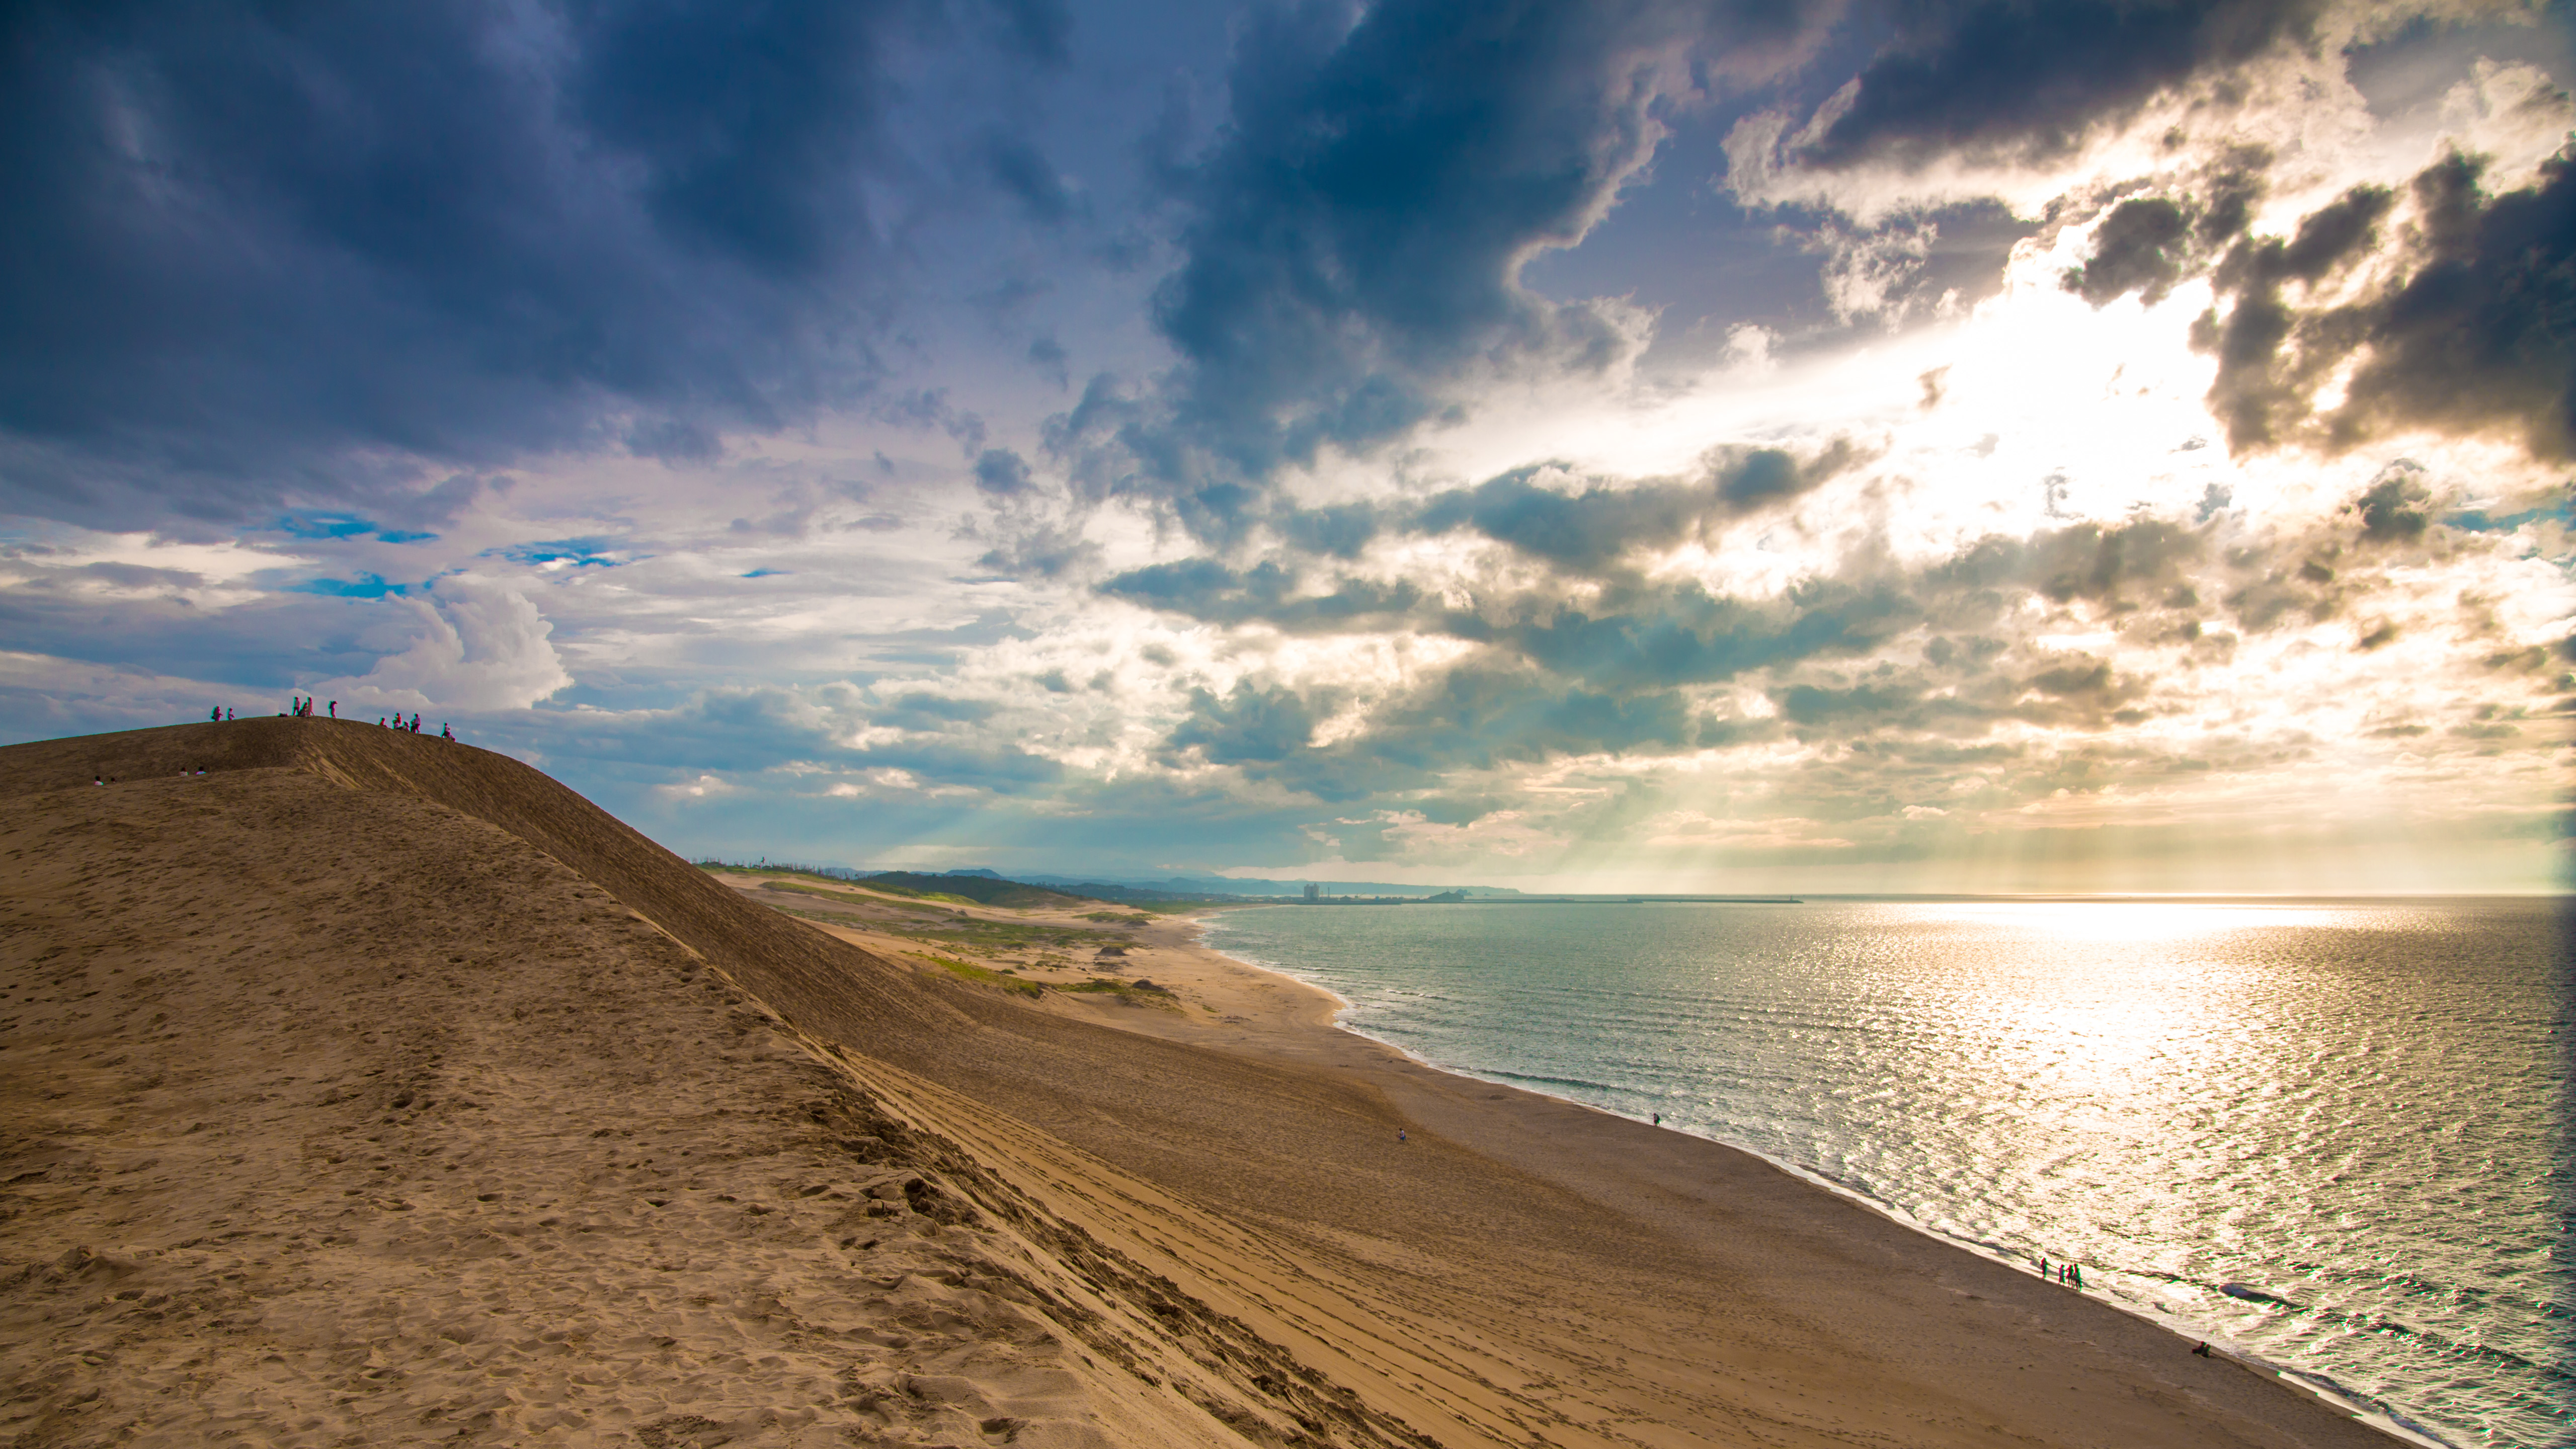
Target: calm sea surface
{"x": 2335, "y": 1135}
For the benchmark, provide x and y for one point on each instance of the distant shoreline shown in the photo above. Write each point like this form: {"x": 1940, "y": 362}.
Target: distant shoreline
{"x": 2179, "y": 1328}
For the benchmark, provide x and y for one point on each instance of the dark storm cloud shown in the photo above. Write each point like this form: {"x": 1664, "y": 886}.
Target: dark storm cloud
{"x": 1251, "y": 723}
{"x": 2148, "y": 243}
{"x": 1206, "y": 590}
{"x": 2139, "y": 248}
{"x": 1654, "y": 636}
{"x": 1579, "y": 530}
{"x": 2484, "y": 334}
{"x": 1002, "y": 473}
{"x": 2392, "y": 509}
{"x": 1022, "y": 171}
{"x": 1039, "y": 30}
{"x": 2476, "y": 334}
{"x": 248, "y": 244}
{"x": 2028, "y": 76}
{"x": 1590, "y": 530}
{"x": 1474, "y": 717}
{"x": 1352, "y": 240}
{"x": 1340, "y": 531}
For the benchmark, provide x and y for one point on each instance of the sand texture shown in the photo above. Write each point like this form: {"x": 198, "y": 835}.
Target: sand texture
{"x": 374, "y": 1089}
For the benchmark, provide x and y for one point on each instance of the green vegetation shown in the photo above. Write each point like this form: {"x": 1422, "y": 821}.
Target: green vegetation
{"x": 1131, "y": 994}
{"x": 983, "y": 977}
{"x": 991, "y": 937}
{"x": 1137, "y": 919}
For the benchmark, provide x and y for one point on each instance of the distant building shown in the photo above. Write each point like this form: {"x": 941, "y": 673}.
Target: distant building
{"x": 1314, "y": 891}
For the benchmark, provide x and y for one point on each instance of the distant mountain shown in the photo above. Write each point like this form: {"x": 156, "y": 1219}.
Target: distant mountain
{"x": 1230, "y": 887}
{"x": 982, "y": 887}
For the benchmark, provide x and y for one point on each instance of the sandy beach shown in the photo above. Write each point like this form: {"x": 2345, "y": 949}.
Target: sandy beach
{"x": 367, "y": 1088}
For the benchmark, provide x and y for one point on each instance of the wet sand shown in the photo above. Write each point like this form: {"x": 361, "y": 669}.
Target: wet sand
{"x": 372, "y": 1089}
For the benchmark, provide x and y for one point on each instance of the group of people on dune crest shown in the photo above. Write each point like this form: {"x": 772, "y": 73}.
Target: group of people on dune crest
{"x": 301, "y": 707}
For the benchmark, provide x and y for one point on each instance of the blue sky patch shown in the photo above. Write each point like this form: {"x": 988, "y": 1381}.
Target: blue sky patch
{"x": 346, "y": 525}
{"x": 364, "y": 586}
{"x": 578, "y": 552}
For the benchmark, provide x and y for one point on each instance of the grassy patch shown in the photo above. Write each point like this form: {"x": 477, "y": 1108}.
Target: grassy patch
{"x": 1126, "y": 992}
{"x": 983, "y": 977}
{"x": 1137, "y": 919}
{"x": 993, "y": 937}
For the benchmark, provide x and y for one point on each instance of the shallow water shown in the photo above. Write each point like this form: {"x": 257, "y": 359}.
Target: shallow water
{"x": 2333, "y": 1134}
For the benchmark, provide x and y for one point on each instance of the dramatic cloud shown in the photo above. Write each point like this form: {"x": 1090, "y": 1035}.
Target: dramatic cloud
{"x": 1355, "y": 235}
{"x": 1658, "y": 444}
{"x": 2030, "y": 77}
{"x": 261, "y": 252}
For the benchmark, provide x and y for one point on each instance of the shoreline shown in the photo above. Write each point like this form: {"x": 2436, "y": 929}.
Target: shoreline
{"x": 2318, "y": 1386}
{"x": 588, "y": 1140}
{"x": 1678, "y": 1183}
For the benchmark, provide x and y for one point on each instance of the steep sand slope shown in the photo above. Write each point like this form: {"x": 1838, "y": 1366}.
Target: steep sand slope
{"x": 333, "y": 1116}
{"x": 1507, "y": 1278}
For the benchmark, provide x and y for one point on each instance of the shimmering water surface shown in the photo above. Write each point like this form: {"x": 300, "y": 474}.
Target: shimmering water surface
{"x": 2334, "y": 1135}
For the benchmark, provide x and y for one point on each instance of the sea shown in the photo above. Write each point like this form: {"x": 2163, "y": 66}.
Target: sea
{"x": 2330, "y": 1135}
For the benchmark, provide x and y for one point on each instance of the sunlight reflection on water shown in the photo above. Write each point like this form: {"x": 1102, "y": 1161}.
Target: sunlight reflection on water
{"x": 2333, "y": 1133}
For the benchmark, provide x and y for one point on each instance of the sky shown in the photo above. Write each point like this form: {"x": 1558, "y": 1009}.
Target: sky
{"x": 2072, "y": 445}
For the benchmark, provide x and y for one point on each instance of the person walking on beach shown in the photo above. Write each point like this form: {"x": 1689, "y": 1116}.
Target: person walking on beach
{"x": 335, "y": 709}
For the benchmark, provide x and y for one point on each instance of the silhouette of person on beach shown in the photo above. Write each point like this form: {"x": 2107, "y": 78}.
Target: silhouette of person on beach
{"x": 2201, "y": 1348}
{"x": 335, "y": 709}
{"x": 1399, "y": 1135}
{"x": 443, "y": 732}
{"x": 218, "y": 715}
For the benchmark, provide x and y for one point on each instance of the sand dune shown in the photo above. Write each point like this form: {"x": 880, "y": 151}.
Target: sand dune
{"x": 371, "y": 1088}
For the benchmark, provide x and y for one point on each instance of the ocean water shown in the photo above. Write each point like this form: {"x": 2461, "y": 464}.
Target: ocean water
{"x": 2335, "y": 1135}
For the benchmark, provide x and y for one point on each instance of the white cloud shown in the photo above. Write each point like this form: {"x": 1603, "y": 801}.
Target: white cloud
{"x": 483, "y": 646}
